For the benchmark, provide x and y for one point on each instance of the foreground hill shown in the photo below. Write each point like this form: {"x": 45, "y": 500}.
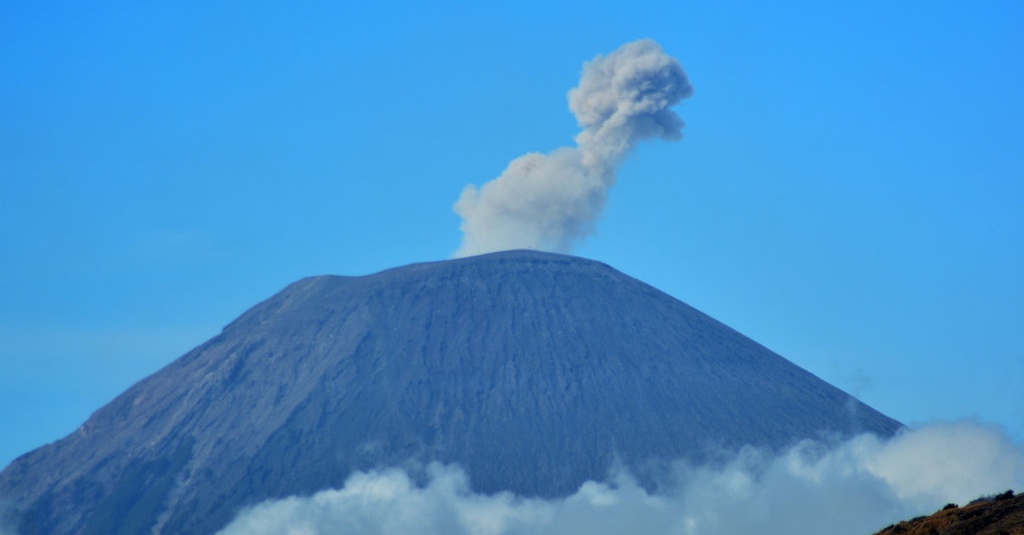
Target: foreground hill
{"x": 533, "y": 371}
{"x": 1002, "y": 515}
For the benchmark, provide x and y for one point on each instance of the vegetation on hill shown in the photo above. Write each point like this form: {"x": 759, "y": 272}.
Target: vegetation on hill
{"x": 995, "y": 515}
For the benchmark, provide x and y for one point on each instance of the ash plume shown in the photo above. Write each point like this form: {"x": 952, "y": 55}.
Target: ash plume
{"x": 551, "y": 201}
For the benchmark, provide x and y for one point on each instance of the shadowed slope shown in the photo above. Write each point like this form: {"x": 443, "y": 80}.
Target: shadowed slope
{"x": 533, "y": 371}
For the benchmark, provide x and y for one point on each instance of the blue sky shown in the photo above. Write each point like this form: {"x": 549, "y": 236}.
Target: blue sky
{"x": 847, "y": 192}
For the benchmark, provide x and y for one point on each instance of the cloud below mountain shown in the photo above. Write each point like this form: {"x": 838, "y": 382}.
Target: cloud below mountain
{"x": 854, "y": 487}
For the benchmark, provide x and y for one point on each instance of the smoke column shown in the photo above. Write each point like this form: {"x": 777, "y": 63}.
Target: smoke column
{"x": 551, "y": 201}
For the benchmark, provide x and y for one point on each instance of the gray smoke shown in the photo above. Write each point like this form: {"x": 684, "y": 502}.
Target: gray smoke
{"x": 551, "y": 201}
{"x": 852, "y": 488}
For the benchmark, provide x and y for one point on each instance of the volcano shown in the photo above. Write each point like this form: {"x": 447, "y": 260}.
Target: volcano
{"x": 534, "y": 372}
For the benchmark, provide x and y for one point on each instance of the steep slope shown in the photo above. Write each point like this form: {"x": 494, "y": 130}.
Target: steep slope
{"x": 533, "y": 371}
{"x": 1002, "y": 515}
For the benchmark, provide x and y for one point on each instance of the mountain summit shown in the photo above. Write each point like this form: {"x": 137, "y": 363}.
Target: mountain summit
{"x": 533, "y": 371}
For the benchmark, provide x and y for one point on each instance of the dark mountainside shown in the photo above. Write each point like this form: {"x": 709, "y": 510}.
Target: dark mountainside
{"x": 999, "y": 515}
{"x": 533, "y": 371}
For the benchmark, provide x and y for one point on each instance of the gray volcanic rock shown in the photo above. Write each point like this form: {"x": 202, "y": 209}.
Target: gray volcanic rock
{"x": 533, "y": 371}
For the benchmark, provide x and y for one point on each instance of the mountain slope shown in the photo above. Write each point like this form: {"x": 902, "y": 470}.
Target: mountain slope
{"x": 1001, "y": 515}
{"x": 533, "y": 371}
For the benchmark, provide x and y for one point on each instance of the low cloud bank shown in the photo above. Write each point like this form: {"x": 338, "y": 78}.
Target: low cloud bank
{"x": 856, "y": 488}
{"x": 551, "y": 201}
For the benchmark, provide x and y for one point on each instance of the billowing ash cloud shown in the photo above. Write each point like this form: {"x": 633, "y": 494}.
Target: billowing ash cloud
{"x": 854, "y": 488}
{"x": 551, "y": 201}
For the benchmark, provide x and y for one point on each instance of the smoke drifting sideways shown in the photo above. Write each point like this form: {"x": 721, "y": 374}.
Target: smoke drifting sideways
{"x": 552, "y": 201}
{"x": 855, "y": 487}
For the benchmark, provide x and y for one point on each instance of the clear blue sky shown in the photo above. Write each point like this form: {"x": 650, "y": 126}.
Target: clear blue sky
{"x": 848, "y": 192}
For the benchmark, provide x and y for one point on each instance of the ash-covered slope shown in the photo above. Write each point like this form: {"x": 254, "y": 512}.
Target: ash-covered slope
{"x": 533, "y": 371}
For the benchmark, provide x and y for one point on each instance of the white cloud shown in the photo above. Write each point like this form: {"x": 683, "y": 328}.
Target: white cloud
{"x": 856, "y": 487}
{"x": 953, "y": 462}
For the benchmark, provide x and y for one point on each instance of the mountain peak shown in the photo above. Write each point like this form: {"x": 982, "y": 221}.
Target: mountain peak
{"x": 533, "y": 371}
